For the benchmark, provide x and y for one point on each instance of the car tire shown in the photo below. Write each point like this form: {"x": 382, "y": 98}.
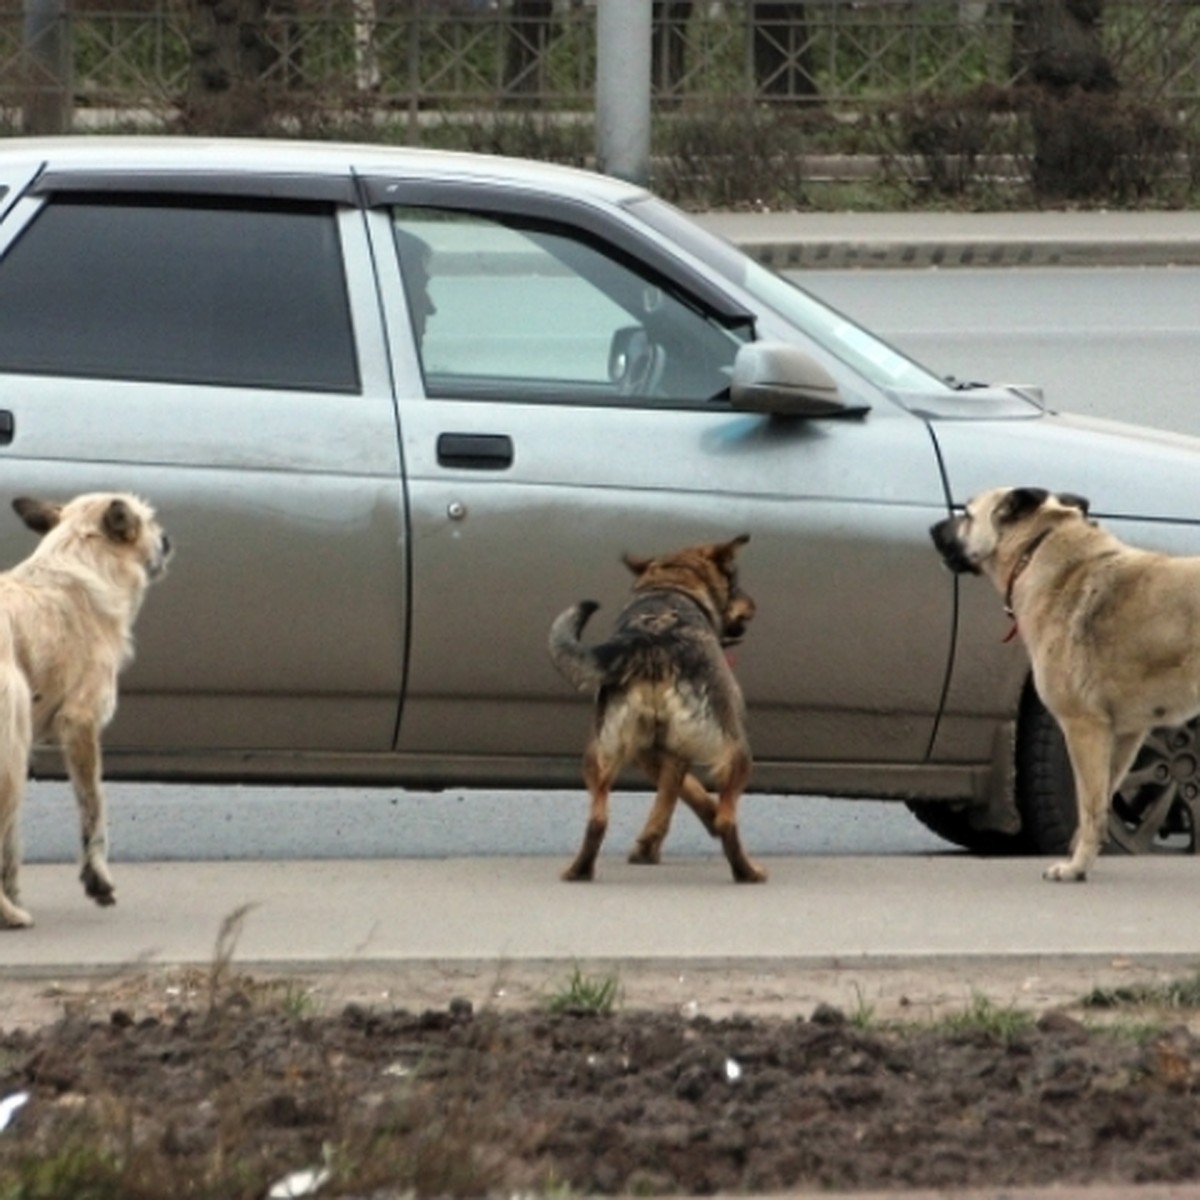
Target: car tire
{"x": 951, "y": 822}
{"x": 1045, "y": 785}
{"x": 1156, "y": 809}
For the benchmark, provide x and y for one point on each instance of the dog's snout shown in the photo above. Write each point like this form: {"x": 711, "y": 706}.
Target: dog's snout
{"x": 948, "y": 544}
{"x": 738, "y": 614}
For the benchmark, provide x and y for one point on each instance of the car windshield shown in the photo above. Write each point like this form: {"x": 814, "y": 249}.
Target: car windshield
{"x": 883, "y": 365}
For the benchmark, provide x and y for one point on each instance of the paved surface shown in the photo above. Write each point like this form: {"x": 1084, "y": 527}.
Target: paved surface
{"x": 921, "y": 239}
{"x": 817, "y": 911}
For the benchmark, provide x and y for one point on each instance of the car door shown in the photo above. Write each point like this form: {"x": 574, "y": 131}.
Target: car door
{"x": 569, "y": 402}
{"x": 214, "y": 344}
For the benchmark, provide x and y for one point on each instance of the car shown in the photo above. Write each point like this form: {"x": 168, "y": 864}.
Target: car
{"x": 399, "y": 408}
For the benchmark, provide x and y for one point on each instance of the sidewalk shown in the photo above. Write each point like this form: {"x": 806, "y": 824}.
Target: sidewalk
{"x": 814, "y": 911}
{"x": 787, "y": 241}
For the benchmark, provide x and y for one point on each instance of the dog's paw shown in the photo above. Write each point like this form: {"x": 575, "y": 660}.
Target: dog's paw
{"x": 646, "y": 854}
{"x": 574, "y": 874}
{"x": 1064, "y": 872}
{"x": 97, "y": 886}
{"x": 12, "y": 917}
{"x": 750, "y": 874}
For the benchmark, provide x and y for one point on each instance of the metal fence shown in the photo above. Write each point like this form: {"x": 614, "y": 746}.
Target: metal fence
{"x": 406, "y": 62}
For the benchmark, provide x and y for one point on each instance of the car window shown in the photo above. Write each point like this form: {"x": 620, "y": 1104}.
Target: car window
{"x": 847, "y": 341}
{"x": 506, "y": 308}
{"x": 155, "y": 288}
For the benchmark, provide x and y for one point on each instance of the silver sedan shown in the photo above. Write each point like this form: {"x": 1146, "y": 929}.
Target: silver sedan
{"x": 400, "y": 408}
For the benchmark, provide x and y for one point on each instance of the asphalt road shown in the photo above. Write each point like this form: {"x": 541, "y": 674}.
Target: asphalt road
{"x": 1120, "y": 343}
{"x": 151, "y": 822}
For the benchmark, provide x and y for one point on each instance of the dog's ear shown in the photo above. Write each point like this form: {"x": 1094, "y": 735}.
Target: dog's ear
{"x": 637, "y": 565}
{"x": 1073, "y": 501}
{"x": 724, "y": 552}
{"x": 1022, "y": 501}
{"x": 39, "y": 515}
{"x": 121, "y": 523}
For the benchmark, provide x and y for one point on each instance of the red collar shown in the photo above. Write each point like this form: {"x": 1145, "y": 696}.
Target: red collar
{"x": 1018, "y": 570}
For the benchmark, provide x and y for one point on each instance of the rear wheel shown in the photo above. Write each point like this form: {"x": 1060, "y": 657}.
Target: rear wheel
{"x": 952, "y": 822}
{"x": 1156, "y": 809}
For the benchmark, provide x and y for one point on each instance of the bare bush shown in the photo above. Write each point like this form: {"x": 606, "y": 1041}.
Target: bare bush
{"x": 734, "y": 155}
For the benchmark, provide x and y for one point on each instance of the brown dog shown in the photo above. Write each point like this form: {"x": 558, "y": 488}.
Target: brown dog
{"x": 1113, "y": 633}
{"x": 66, "y": 623}
{"x": 666, "y": 698}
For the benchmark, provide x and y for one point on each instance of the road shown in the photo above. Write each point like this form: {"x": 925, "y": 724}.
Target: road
{"x": 1109, "y": 343}
{"x": 157, "y": 823}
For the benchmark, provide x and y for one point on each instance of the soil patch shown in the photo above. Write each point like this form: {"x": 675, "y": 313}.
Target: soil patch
{"x": 217, "y": 1083}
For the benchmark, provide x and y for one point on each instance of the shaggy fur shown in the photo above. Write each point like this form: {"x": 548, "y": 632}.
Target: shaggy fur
{"x": 666, "y": 698}
{"x": 66, "y": 625}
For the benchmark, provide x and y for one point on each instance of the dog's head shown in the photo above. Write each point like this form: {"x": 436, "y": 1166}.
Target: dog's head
{"x": 707, "y": 573}
{"x": 112, "y": 526}
{"x": 998, "y": 520}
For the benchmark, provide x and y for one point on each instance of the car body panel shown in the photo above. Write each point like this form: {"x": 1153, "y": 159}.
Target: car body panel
{"x": 283, "y": 624}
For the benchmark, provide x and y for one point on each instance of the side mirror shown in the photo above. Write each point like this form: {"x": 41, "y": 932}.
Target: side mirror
{"x": 781, "y": 380}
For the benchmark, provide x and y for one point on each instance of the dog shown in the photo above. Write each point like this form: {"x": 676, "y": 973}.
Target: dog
{"x": 66, "y": 623}
{"x": 666, "y": 697}
{"x": 1113, "y": 633}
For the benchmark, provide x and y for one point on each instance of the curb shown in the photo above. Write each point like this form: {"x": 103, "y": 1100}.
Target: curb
{"x": 846, "y": 254}
{"x": 828, "y": 240}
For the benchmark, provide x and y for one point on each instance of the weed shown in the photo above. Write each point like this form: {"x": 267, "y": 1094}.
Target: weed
{"x": 1176, "y": 994}
{"x": 863, "y": 1016}
{"x": 228, "y": 937}
{"x": 586, "y": 994}
{"x": 984, "y": 1016}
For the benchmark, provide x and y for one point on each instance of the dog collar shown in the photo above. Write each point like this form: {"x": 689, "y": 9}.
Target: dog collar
{"x": 1017, "y": 571}
{"x": 709, "y": 615}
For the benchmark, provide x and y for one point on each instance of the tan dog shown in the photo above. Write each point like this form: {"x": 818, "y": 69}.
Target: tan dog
{"x": 666, "y": 698}
{"x": 66, "y": 623}
{"x": 1113, "y": 633}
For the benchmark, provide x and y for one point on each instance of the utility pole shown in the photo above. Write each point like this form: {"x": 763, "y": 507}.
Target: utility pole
{"x": 48, "y": 107}
{"x": 623, "y": 88}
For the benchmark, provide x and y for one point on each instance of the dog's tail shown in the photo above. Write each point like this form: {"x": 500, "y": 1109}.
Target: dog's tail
{"x": 575, "y": 661}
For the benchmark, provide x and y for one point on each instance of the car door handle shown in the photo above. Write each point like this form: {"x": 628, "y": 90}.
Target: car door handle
{"x": 475, "y": 451}
{"x": 8, "y": 427}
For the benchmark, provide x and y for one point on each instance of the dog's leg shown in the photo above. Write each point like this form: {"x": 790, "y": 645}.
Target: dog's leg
{"x": 695, "y": 795}
{"x": 668, "y": 773}
{"x": 17, "y": 734}
{"x": 733, "y": 777}
{"x": 80, "y": 741}
{"x": 11, "y": 914}
{"x": 598, "y": 776}
{"x": 1093, "y": 752}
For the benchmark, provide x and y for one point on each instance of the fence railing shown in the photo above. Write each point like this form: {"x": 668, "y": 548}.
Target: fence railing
{"x": 408, "y": 60}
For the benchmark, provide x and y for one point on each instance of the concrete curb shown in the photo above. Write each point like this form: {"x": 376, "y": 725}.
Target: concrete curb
{"x": 798, "y": 241}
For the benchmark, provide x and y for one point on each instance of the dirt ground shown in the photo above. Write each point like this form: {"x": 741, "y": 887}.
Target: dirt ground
{"x": 456, "y": 1080}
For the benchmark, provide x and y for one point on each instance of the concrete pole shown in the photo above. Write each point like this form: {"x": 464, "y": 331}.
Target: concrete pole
{"x": 48, "y": 107}
{"x": 623, "y": 88}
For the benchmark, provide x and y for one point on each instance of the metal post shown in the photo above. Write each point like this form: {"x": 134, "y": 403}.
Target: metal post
{"x": 416, "y": 23}
{"x": 623, "y": 88}
{"x": 48, "y": 107}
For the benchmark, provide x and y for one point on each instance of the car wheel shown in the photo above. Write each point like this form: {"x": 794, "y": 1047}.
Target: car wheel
{"x": 951, "y": 821}
{"x": 1155, "y": 809}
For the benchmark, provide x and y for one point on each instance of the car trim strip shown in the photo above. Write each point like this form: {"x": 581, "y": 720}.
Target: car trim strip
{"x": 329, "y": 189}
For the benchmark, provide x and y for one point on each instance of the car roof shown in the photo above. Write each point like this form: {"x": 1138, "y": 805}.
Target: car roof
{"x": 265, "y": 157}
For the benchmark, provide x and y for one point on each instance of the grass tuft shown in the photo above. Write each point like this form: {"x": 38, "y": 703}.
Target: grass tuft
{"x": 985, "y": 1016}
{"x": 583, "y": 993}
